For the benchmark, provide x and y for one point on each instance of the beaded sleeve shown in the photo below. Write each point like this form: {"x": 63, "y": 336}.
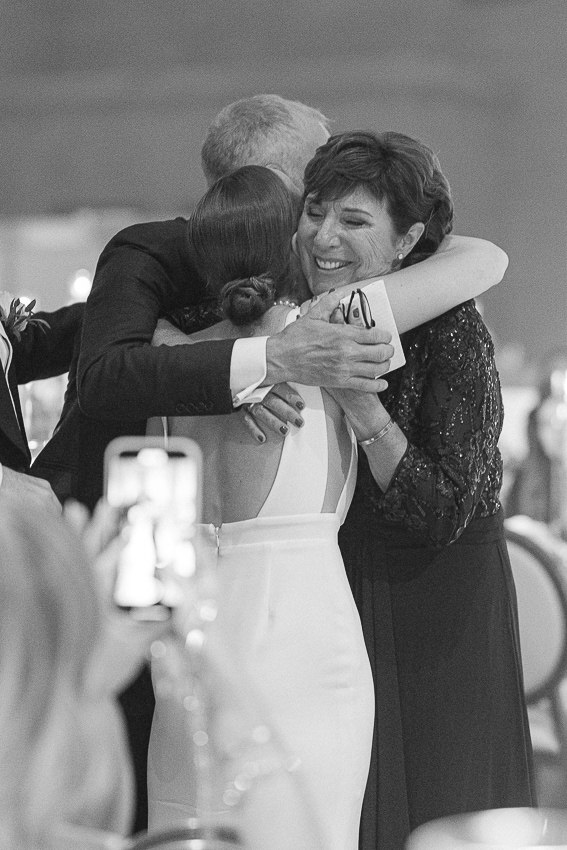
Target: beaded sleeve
{"x": 447, "y": 400}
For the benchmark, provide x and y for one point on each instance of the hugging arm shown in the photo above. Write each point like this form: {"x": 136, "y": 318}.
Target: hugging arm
{"x": 452, "y": 433}
{"x": 462, "y": 268}
{"x": 141, "y": 275}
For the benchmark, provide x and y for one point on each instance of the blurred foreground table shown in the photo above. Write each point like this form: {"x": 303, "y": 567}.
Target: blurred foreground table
{"x": 495, "y": 829}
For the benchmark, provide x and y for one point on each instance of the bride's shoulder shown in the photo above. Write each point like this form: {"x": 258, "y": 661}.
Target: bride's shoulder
{"x": 168, "y": 334}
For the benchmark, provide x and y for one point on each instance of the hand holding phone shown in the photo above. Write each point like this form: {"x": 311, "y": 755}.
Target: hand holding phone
{"x": 157, "y": 490}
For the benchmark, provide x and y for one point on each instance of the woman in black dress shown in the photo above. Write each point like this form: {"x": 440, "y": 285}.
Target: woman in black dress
{"x": 423, "y": 542}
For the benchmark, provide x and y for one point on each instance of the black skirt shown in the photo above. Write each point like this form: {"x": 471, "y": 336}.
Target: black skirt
{"x": 441, "y": 627}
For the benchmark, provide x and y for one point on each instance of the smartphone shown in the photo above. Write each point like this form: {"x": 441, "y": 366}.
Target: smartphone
{"x": 157, "y": 490}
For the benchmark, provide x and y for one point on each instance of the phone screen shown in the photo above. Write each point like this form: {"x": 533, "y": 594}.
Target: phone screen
{"x": 157, "y": 493}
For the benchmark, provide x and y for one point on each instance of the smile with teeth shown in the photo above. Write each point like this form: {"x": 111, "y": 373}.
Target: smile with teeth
{"x": 329, "y": 265}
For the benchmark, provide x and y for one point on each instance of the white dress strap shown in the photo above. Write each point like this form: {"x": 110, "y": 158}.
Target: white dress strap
{"x": 350, "y": 482}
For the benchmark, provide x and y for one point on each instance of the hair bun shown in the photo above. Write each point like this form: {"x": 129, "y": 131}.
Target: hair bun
{"x": 246, "y": 299}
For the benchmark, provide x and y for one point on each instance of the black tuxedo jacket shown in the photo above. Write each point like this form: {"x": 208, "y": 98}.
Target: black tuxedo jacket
{"x": 143, "y": 273}
{"x": 39, "y": 353}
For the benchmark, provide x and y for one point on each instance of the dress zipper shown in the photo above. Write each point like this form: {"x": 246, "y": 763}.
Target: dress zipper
{"x": 217, "y": 530}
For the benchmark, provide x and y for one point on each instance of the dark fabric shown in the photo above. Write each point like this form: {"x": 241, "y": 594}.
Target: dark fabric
{"x": 118, "y": 380}
{"x": 14, "y": 451}
{"x": 38, "y": 353}
{"x": 45, "y": 352}
{"x": 58, "y": 460}
{"x": 385, "y": 816}
{"x": 142, "y": 274}
{"x": 137, "y": 703}
{"x": 440, "y": 617}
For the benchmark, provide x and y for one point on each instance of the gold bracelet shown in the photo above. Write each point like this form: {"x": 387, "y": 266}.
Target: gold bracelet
{"x": 381, "y": 433}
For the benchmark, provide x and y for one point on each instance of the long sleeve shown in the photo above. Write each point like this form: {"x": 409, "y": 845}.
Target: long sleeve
{"x": 447, "y": 401}
{"x": 143, "y": 273}
{"x": 43, "y": 352}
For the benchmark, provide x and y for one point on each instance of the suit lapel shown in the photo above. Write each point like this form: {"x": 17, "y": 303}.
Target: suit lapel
{"x": 11, "y": 421}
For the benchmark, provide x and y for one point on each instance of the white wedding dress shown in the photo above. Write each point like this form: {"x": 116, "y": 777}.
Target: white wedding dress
{"x": 287, "y": 613}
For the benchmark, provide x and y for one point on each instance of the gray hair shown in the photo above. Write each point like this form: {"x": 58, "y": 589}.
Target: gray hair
{"x": 264, "y": 129}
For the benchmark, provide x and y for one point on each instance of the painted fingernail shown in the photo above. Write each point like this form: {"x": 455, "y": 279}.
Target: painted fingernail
{"x": 284, "y": 429}
{"x": 299, "y": 422}
{"x": 261, "y": 438}
{"x": 300, "y": 405}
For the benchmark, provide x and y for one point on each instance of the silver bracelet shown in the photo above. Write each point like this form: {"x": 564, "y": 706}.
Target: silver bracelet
{"x": 381, "y": 433}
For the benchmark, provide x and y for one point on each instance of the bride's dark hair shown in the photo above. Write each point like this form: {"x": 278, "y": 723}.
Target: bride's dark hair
{"x": 240, "y": 238}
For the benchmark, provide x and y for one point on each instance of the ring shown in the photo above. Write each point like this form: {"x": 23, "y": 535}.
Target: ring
{"x": 377, "y": 377}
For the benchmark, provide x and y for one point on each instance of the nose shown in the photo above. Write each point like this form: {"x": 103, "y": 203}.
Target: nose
{"x": 327, "y": 234}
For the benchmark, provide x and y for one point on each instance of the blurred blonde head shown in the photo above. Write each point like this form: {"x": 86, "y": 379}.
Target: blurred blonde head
{"x": 57, "y": 761}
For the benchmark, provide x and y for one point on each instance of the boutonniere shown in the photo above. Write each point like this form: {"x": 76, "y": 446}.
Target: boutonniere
{"x": 16, "y": 316}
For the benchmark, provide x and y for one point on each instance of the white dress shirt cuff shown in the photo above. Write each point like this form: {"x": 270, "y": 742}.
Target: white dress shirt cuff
{"x": 248, "y": 369}
{"x": 381, "y": 311}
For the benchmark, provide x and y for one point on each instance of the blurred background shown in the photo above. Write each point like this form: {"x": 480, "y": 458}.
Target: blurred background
{"x": 105, "y": 105}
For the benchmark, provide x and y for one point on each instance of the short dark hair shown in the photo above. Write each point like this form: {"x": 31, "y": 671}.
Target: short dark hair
{"x": 240, "y": 237}
{"x": 397, "y": 170}
{"x": 264, "y": 129}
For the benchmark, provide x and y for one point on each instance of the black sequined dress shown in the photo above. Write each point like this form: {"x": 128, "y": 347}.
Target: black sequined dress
{"x": 430, "y": 573}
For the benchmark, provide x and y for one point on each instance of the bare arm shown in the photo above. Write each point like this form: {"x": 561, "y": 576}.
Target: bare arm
{"x": 463, "y": 267}
{"x": 370, "y": 420}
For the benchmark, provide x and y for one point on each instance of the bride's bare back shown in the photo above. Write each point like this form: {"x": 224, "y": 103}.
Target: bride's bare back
{"x": 239, "y": 472}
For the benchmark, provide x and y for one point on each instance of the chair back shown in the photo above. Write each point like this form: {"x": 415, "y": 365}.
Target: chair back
{"x": 541, "y": 587}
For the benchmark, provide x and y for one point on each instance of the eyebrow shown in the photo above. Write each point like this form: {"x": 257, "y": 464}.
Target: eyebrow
{"x": 312, "y": 199}
{"x": 357, "y": 210}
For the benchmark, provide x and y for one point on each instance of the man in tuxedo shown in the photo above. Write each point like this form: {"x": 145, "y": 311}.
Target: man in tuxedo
{"x": 37, "y": 351}
{"x": 146, "y": 271}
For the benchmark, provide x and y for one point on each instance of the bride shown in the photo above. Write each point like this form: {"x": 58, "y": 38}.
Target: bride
{"x": 273, "y": 512}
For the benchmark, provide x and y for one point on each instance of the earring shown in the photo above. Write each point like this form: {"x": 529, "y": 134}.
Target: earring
{"x": 400, "y": 256}
{"x": 294, "y": 245}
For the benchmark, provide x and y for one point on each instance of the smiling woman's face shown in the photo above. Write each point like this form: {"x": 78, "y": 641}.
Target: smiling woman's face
{"x": 344, "y": 241}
